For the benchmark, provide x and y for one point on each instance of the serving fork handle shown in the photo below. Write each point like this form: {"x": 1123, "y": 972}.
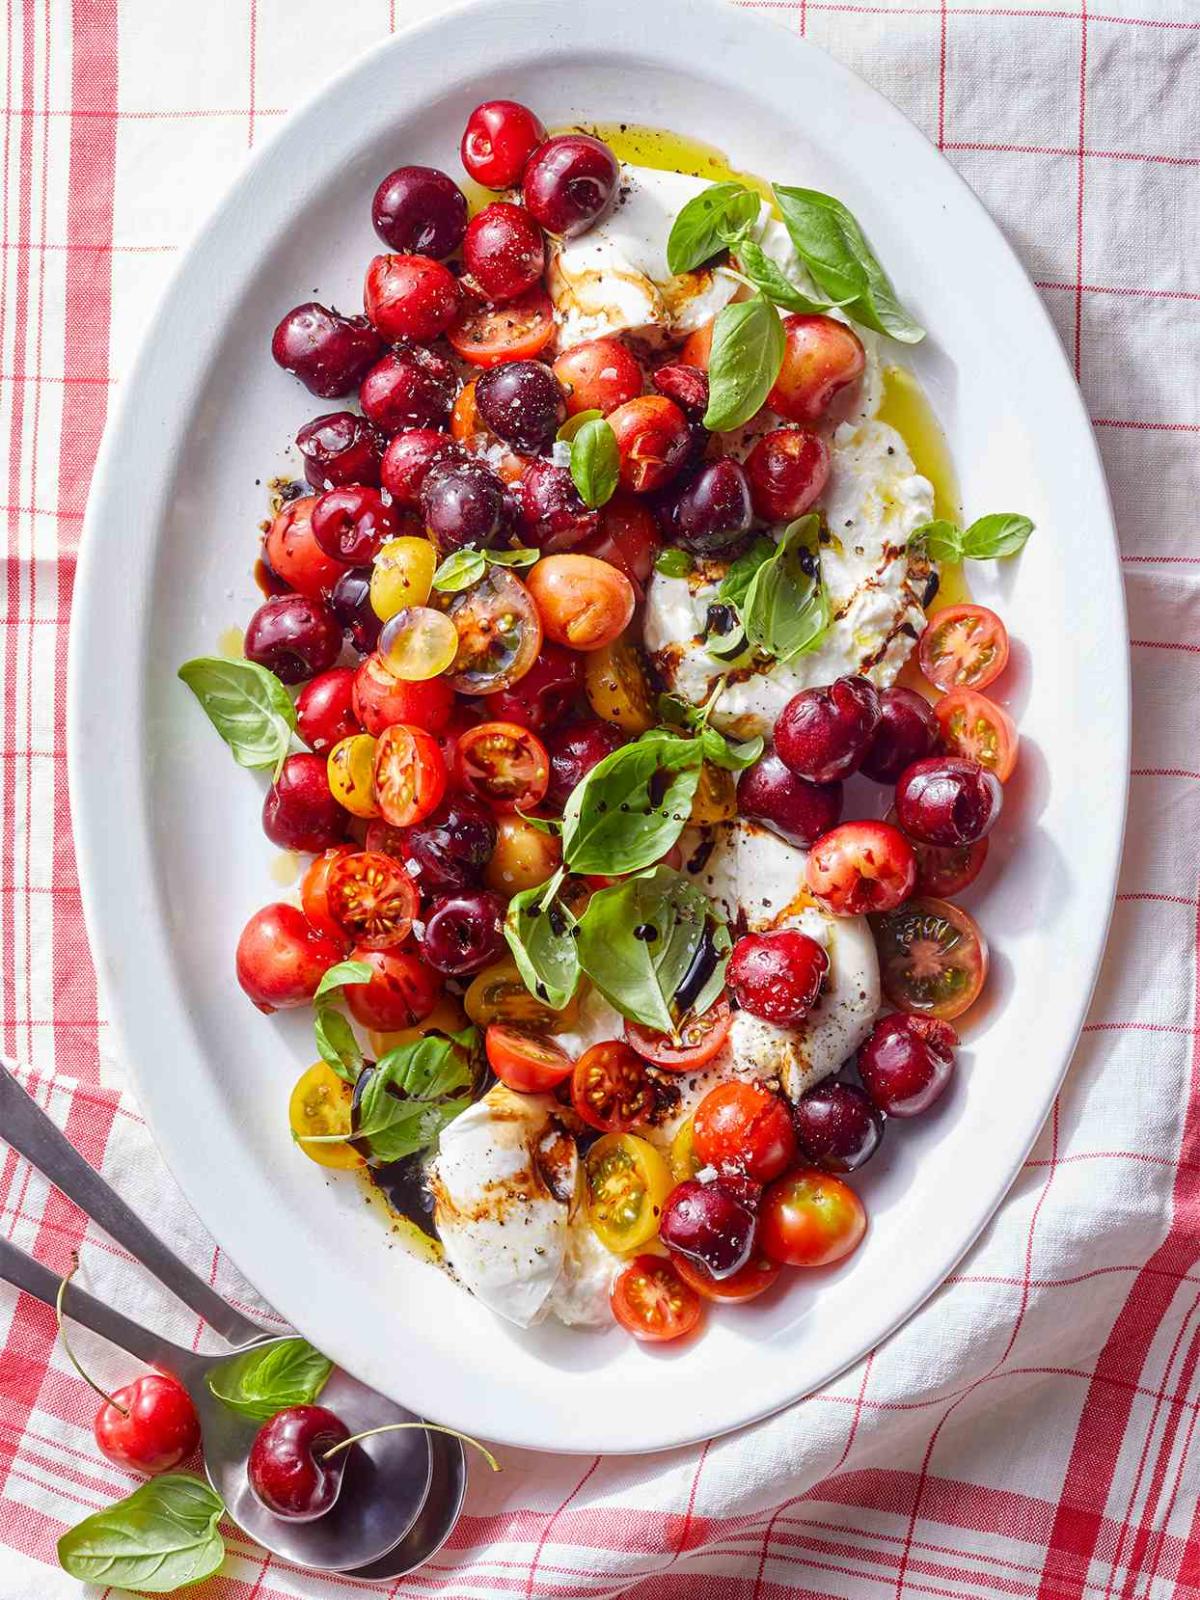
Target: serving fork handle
{"x": 34, "y": 1135}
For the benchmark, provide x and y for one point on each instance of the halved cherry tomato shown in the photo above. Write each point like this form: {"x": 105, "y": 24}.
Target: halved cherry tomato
{"x": 810, "y": 1219}
{"x": 527, "y": 1062}
{"x": 320, "y": 1106}
{"x": 610, "y": 1088}
{"x": 972, "y": 725}
{"x": 742, "y": 1127}
{"x": 651, "y": 1301}
{"x": 583, "y": 602}
{"x": 350, "y": 768}
{"x": 933, "y": 959}
{"x": 747, "y": 1283}
{"x": 371, "y": 899}
{"x": 700, "y": 1039}
{"x": 963, "y": 647}
{"x": 628, "y": 1183}
{"x": 487, "y": 335}
{"x": 945, "y": 869}
{"x": 499, "y": 633}
{"x": 499, "y": 994}
{"x": 504, "y": 764}
{"x": 682, "y": 1157}
{"x": 381, "y": 699}
{"x": 410, "y": 775}
{"x": 314, "y": 890}
{"x": 629, "y": 538}
{"x": 400, "y": 992}
{"x": 618, "y": 686}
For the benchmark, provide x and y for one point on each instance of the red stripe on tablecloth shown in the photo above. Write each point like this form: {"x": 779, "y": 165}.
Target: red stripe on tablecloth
{"x": 1083, "y": 44}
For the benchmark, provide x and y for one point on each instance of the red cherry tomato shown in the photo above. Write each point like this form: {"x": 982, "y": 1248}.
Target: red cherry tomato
{"x": 610, "y": 1088}
{"x": 400, "y": 992}
{"x": 325, "y": 710}
{"x": 293, "y": 554}
{"x": 150, "y": 1425}
{"x": 504, "y": 764}
{"x": 371, "y": 898}
{"x": 487, "y": 335}
{"x": 629, "y": 538}
{"x": 526, "y": 1062}
{"x": 933, "y": 960}
{"x": 410, "y": 297}
{"x": 821, "y": 357}
{"x": 810, "y": 1219}
{"x": 963, "y": 647}
{"x": 499, "y": 139}
{"x": 314, "y": 891}
{"x": 861, "y": 866}
{"x": 281, "y": 957}
{"x": 410, "y": 775}
{"x": 381, "y": 699}
{"x": 747, "y": 1283}
{"x": 652, "y": 1302}
{"x": 653, "y": 439}
{"x": 972, "y": 725}
{"x": 598, "y": 376}
{"x": 700, "y": 1039}
{"x": 742, "y": 1127}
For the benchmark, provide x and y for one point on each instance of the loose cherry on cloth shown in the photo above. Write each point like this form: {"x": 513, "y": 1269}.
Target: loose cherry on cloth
{"x": 1072, "y": 1319}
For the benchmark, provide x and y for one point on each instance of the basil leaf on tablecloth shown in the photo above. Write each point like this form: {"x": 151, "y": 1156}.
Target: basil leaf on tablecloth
{"x": 746, "y": 355}
{"x": 538, "y": 928}
{"x": 412, "y": 1094}
{"x": 160, "y": 1538}
{"x": 786, "y": 610}
{"x": 708, "y": 223}
{"x": 246, "y": 704}
{"x": 595, "y": 462}
{"x": 261, "y": 1382}
{"x": 632, "y": 806}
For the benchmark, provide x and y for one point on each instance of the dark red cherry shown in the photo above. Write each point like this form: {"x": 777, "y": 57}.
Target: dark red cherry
{"x": 421, "y": 211}
{"x": 551, "y": 513}
{"x": 907, "y": 1063}
{"x": 948, "y": 800}
{"x": 907, "y": 731}
{"x": 410, "y": 387}
{"x": 797, "y": 810}
{"x": 574, "y": 751}
{"x": 708, "y": 1224}
{"x": 340, "y": 447}
{"x": 294, "y": 637}
{"x": 823, "y": 734}
{"x": 299, "y": 813}
{"x": 464, "y": 932}
{"x": 836, "y": 1125}
{"x": 329, "y": 353}
{"x": 287, "y": 1468}
{"x": 570, "y": 182}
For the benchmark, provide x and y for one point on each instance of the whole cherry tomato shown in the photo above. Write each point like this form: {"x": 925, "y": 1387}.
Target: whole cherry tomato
{"x": 742, "y": 1127}
{"x": 400, "y": 992}
{"x": 810, "y": 1219}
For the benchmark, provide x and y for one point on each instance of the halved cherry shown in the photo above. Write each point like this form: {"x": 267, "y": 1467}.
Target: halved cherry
{"x": 410, "y": 775}
{"x": 700, "y": 1039}
{"x": 963, "y": 647}
{"x": 933, "y": 959}
{"x": 314, "y": 890}
{"x": 371, "y": 899}
{"x": 610, "y": 1088}
{"x": 528, "y": 1062}
{"x": 486, "y": 335}
{"x": 972, "y": 725}
{"x": 499, "y": 633}
{"x": 747, "y": 1283}
{"x": 652, "y": 1302}
{"x": 504, "y": 764}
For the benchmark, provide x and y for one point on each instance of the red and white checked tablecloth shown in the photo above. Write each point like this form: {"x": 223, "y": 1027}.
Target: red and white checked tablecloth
{"x": 1031, "y": 1432}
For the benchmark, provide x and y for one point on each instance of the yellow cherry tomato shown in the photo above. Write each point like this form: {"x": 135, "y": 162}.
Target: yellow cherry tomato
{"x": 351, "y": 771}
{"x": 446, "y": 1017}
{"x": 498, "y": 994}
{"x": 524, "y": 856}
{"x": 628, "y": 1184}
{"x": 681, "y": 1157}
{"x": 418, "y": 643}
{"x": 402, "y": 576}
{"x": 319, "y": 1106}
{"x": 716, "y": 796}
{"x": 617, "y": 687}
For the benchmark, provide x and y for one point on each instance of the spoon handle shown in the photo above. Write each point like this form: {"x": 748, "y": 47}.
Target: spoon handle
{"x": 25, "y": 1273}
{"x": 32, "y": 1134}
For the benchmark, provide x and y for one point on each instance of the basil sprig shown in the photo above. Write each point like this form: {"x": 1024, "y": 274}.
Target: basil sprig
{"x": 160, "y": 1538}
{"x": 595, "y": 462}
{"x": 247, "y": 705}
{"x": 989, "y": 538}
{"x": 414, "y": 1092}
{"x": 707, "y": 224}
{"x": 632, "y": 806}
{"x": 747, "y": 353}
{"x": 261, "y": 1382}
{"x": 336, "y": 1044}
{"x": 463, "y": 568}
{"x": 832, "y": 245}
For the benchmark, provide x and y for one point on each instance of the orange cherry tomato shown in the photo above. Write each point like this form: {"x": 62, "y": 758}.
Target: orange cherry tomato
{"x": 486, "y": 335}
{"x": 400, "y": 992}
{"x": 963, "y": 647}
{"x": 583, "y": 602}
{"x": 499, "y": 633}
{"x": 599, "y": 375}
{"x": 653, "y": 438}
{"x": 527, "y": 1062}
{"x": 700, "y": 1039}
{"x": 742, "y": 1127}
{"x": 972, "y": 725}
{"x": 504, "y": 764}
{"x": 371, "y": 899}
{"x": 410, "y": 775}
{"x": 747, "y": 1283}
{"x": 697, "y": 347}
{"x": 314, "y": 890}
{"x": 933, "y": 959}
{"x": 652, "y": 1302}
{"x": 810, "y": 1219}
{"x": 610, "y": 1088}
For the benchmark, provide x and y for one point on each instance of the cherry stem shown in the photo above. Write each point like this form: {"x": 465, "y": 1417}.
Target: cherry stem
{"x": 402, "y": 1427}
{"x": 66, "y": 1343}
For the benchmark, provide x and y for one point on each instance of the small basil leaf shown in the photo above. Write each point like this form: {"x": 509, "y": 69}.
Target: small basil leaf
{"x": 737, "y": 580}
{"x": 337, "y": 977}
{"x": 520, "y": 557}
{"x": 733, "y": 757}
{"x": 538, "y": 928}
{"x": 413, "y": 1093}
{"x": 160, "y": 1538}
{"x": 834, "y": 248}
{"x": 673, "y": 562}
{"x": 943, "y": 541}
{"x": 551, "y": 825}
{"x": 459, "y": 571}
{"x": 336, "y": 1044}
{"x": 746, "y": 355}
{"x": 786, "y": 609}
{"x": 764, "y": 274}
{"x": 573, "y": 424}
{"x": 632, "y": 806}
{"x": 675, "y": 711}
{"x": 707, "y": 222}
{"x": 1003, "y": 533}
{"x": 261, "y": 1382}
{"x": 595, "y": 462}
{"x": 246, "y": 704}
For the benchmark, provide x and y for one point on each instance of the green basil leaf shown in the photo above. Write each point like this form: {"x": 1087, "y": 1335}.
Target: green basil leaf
{"x": 573, "y": 424}
{"x": 786, "y": 610}
{"x": 735, "y": 757}
{"x": 673, "y": 562}
{"x": 736, "y": 581}
{"x": 638, "y": 941}
{"x": 1001, "y": 534}
{"x": 539, "y": 930}
{"x": 336, "y": 1044}
{"x": 632, "y": 806}
{"x": 337, "y": 977}
{"x": 834, "y": 248}
{"x": 550, "y": 825}
{"x": 413, "y": 1093}
{"x": 766, "y": 275}
{"x": 679, "y": 713}
{"x": 160, "y": 1538}
{"x": 595, "y": 462}
{"x": 707, "y": 222}
{"x": 520, "y": 557}
{"x": 246, "y": 704}
{"x": 943, "y": 540}
{"x": 746, "y": 355}
{"x": 261, "y": 1382}
{"x": 459, "y": 571}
